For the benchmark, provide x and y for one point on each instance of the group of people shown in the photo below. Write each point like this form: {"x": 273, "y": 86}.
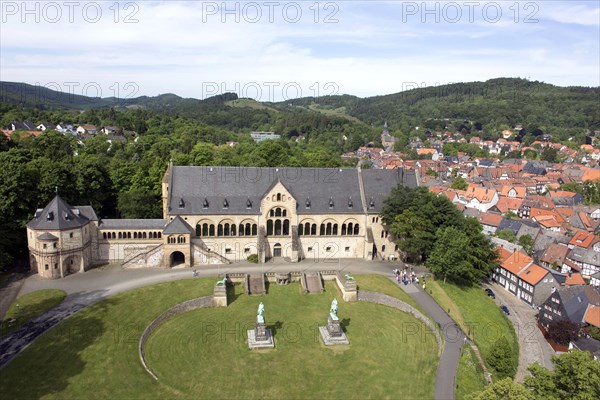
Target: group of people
{"x": 406, "y": 276}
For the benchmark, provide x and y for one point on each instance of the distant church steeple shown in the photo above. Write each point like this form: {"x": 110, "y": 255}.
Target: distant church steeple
{"x": 385, "y": 128}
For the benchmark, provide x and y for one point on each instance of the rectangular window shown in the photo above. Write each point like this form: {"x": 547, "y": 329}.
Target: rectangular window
{"x": 227, "y": 251}
{"x": 347, "y": 249}
{"x": 55, "y": 266}
{"x": 71, "y": 235}
{"x": 246, "y": 250}
{"x": 328, "y": 248}
{"x": 46, "y": 266}
{"x": 45, "y": 245}
{"x": 309, "y": 249}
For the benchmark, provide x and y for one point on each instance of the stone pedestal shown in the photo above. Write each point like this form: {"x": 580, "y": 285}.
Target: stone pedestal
{"x": 260, "y": 337}
{"x": 333, "y": 327}
{"x": 220, "y": 296}
{"x": 332, "y": 334}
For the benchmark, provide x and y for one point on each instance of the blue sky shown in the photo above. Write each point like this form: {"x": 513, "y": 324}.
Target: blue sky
{"x": 365, "y": 48}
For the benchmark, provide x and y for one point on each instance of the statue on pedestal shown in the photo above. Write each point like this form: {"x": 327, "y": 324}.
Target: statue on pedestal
{"x": 333, "y": 310}
{"x": 260, "y": 314}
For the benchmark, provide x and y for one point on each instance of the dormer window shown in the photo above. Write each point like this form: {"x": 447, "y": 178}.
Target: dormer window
{"x": 371, "y": 203}
{"x": 350, "y": 204}
{"x": 181, "y": 203}
{"x": 50, "y": 216}
{"x": 307, "y": 204}
{"x": 331, "y": 204}
{"x": 205, "y": 204}
{"x": 248, "y": 203}
{"x": 67, "y": 216}
{"x": 225, "y": 203}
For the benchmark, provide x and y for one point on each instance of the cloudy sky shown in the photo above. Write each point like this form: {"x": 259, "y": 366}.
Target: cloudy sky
{"x": 275, "y": 50}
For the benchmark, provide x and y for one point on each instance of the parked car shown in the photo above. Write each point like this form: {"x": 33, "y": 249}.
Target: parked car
{"x": 505, "y": 309}
{"x": 490, "y": 293}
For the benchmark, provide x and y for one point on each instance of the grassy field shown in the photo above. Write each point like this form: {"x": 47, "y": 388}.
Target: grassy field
{"x": 477, "y": 315}
{"x": 378, "y": 283}
{"x": 29, "y": 306}
{"x": 469, "y": 377}
{"x": 203, "y": 353}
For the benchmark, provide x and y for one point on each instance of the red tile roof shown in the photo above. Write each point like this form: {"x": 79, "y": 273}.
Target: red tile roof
{"x": 592, "y": 315}
{"x": 517, "y": 262}
{"x": 533, "y": 274}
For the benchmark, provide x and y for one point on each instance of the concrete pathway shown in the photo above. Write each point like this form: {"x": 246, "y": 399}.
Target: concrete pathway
{"x": 453, "y": 336}
{"x": 9, "y": 292}
{"x": 88, "y": 288}
{"x": 532, "y": 345}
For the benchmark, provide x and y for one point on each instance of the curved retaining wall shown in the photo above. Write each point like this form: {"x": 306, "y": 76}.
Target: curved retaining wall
{"x": 201, "y": 302}
{"x": 384, "y": 299}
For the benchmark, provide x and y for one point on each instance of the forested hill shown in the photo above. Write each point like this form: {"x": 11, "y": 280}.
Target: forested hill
{"x": 490, "y": 106}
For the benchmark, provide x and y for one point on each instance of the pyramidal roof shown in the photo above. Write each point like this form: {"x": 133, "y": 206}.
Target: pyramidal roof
{"x": 177, "y": 226}
{"x": 57, "y": 215}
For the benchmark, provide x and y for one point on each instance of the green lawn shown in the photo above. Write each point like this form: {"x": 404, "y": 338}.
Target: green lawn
{"x": 29, "y": 306}
{"x": 378, "y": 283}
{"x": 203, "y": 353}
{"x": 477, "y": 314}
{"x": 469, "y": 377}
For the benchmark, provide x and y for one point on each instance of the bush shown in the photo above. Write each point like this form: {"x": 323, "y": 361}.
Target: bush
{"x": 253, "y": 258}
{"x": 501, "y": 359}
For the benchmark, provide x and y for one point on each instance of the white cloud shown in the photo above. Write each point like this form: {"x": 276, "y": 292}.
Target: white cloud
{"x": 368, "y": 52}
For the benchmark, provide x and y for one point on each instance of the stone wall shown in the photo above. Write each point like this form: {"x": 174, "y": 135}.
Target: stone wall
{"x": 201, "y": 302}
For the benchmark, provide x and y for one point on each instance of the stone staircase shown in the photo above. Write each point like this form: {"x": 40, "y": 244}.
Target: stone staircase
{"x": 255, "y": 284}
{"x": 312, "y": 282}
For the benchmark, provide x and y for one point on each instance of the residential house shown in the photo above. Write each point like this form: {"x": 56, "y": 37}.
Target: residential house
{"x": 45, "y": 127}
{"x": 584, "y": 240}
{"x": 584, "y": 260}
{"x": 571, "y": 303}
{"x": 480, "y": 198}
{"x": 520, "y": 276}
{"x": 20, "y": 126}
{"x": 554, "y": 256}
{"x": 87, "y": 130}
{"x": 490, "y": 222}
{"x": 110, "y": 130}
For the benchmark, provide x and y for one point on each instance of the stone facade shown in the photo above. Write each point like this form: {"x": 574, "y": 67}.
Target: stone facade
{"x": 224, "y": 214}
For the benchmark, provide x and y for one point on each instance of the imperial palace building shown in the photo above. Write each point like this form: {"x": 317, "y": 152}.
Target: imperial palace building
{"x": 215, "y": 215}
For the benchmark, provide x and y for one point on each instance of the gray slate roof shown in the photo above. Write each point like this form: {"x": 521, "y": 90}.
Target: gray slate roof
{"x": 58, "y": 215}
{"x": 378, "y": 183}
{"x": 47, "y": 236}
{"x": 584, "y": 256}
{"x": 132, "y": 224}
{"x": 575, "y": 299}
{"x": 239, "y": 190}
{"x": 178, "y": 226}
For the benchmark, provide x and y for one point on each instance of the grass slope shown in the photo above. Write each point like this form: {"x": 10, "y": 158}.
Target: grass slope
{"x": 469, "y": 377}
{"x": 29, "y": 306}
{"x": 93, "y": 354}
{"x": 477, "y": 315}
